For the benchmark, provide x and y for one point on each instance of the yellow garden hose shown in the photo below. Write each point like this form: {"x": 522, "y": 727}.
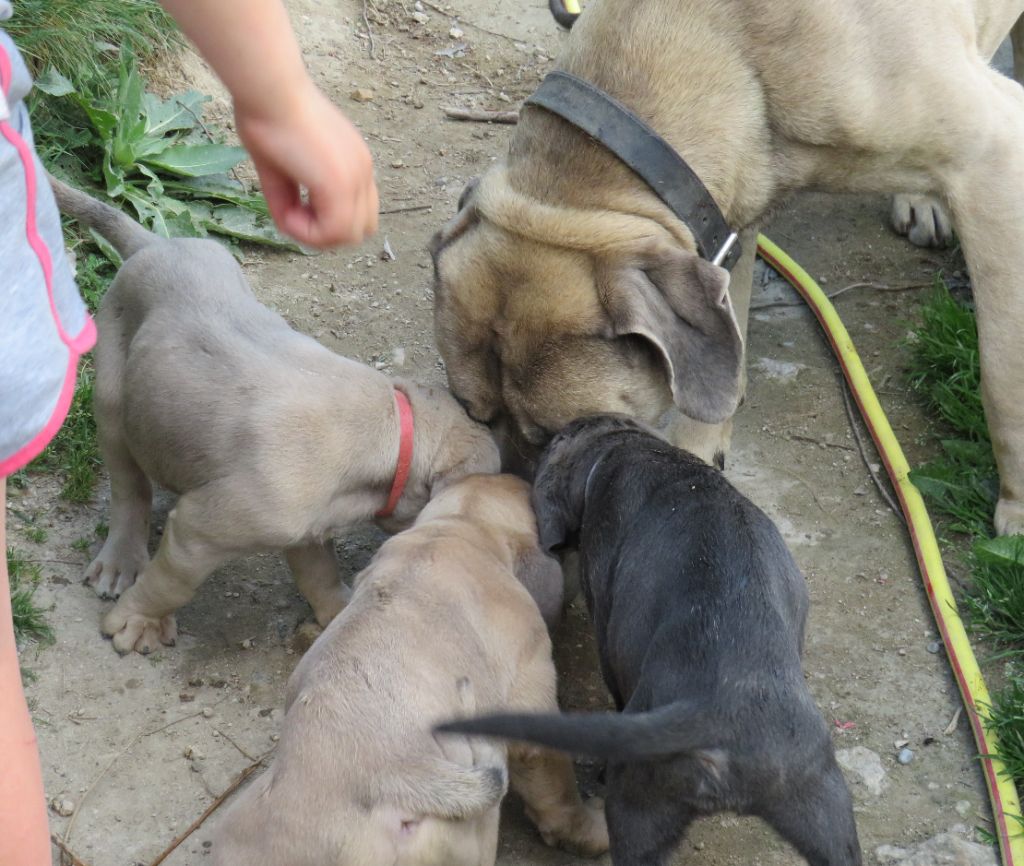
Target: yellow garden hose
{"x": 1003, "y": 793}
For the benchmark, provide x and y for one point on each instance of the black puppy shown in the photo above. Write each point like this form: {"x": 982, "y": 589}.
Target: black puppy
{"x": 699, "y": 610}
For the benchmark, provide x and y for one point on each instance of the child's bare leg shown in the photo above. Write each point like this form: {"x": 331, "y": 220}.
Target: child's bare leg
{"x": 24, "y": 834}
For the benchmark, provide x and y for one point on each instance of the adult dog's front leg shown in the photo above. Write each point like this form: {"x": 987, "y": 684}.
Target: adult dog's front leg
{"x": 190, "y": 549}
{"x": 987, "y": 196}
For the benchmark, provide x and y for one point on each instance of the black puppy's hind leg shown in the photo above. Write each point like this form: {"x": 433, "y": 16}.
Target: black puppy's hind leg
{"x": 816, "y": 817}
{"x": 645, "y": 820}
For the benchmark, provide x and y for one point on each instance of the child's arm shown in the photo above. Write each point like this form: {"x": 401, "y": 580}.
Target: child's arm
{"x": 24, "y": 835}
{"x": 296, "y": 137}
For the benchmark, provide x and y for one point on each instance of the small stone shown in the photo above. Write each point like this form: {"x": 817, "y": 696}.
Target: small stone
{"x": 398, "y": 163}
{"x": 905, "y": 756}
{"x": 946, "y": 849}
{"x": 456, "y": 33}
{"x": 420, "y": 17}
{"x": 63, "y": 806}
{"x": 275, "y": 737}
{"x": 363, "y": 94}
{"x": 865, "y": 765}
{"x": 398, "y": 356}
{"x": 207, "y": 712}
{"x": 193, "y": 754}
{"x": 247, "y": 643}
{"x": 934, "y": 647}
{"x": 899, "y": 744}
{"x": 963, "y": 807}
{"x": 901, "y": 652}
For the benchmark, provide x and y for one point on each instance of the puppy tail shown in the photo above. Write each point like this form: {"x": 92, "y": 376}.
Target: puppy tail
{"x": 124, "y": 233}
{"x": 444, "y": 789}
{"x": 669, "y": 730}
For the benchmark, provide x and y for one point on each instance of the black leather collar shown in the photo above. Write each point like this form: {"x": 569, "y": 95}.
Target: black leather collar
{"x": 618, "y": 129}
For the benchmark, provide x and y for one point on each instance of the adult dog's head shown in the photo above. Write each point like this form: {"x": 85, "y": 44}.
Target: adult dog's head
{"x": 544, "y": 314}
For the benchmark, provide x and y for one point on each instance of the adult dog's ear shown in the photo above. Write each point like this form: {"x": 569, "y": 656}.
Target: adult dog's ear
{"x": 680, "y": 303}
{"x": 464, "y": 217}
{"x": 542, "y": 576}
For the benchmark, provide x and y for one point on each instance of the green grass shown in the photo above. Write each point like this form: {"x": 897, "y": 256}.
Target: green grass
{"x": 961, "y": 486}
{"x": 1007, "y": 720}
{"x": 29, "y": 621}
{"x": 36, "y": 534}
{"x": 81, "y": 38}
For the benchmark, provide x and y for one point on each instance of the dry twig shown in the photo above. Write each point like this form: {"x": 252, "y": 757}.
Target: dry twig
{"x": 864, "y": 455}
{"x": 415, "y": 207}
{"x": 213, "y": 807}
{"x": 876, "y": 286}
{"x": 456, "y": 17}
{"x": 106, "y": 769}
{"x": 369, "y": 32}
{"x": 66, "y": 852}
{"x": 481, "y": 116}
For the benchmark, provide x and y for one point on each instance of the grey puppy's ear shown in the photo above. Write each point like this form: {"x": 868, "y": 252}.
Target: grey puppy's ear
{"x": 542, "y": 576}
{"x": 680, "y": 303}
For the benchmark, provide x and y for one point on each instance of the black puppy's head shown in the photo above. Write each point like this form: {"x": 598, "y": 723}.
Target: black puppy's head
{"x": 560, "y": 485}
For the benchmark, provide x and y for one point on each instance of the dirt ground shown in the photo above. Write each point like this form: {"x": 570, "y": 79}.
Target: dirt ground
{"x": 136, "y": 748}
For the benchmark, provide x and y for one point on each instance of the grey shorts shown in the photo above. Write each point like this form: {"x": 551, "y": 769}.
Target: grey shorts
{"x": 44, "y": 326}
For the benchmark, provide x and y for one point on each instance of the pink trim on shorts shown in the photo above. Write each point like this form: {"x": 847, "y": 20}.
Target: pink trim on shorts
{"x": 33, "y": 449}
{"x": 77, "y": 345}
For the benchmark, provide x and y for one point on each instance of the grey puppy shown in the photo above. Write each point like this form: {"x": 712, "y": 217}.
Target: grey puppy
{"x": 272, "y": 441}
{"x": 445, "y": 619}
{"x": 699, "y": 611}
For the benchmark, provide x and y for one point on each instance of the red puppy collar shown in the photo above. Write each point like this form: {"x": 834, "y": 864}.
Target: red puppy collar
{"x": 404, "y": 454}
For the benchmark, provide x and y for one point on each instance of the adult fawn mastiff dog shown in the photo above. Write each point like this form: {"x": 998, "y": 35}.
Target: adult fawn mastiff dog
{"x": 564, "y": 286}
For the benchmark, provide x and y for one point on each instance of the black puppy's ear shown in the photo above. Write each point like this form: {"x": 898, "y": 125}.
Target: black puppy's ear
{"x": 555, "y": 524}
{"x": 542, "y": 576}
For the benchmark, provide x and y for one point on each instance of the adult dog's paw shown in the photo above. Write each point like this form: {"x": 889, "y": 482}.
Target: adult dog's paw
{"x": 134, "y": 631}
{"x": 922, "y": 219}
{"x": 1010, "y": 517}
{"x": 116, "y": 566}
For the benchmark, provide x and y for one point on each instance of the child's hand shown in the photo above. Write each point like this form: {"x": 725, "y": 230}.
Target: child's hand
{"x": 309, "y": 144}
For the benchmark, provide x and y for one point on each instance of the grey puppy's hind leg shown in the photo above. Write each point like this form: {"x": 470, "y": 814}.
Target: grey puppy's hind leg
{"x": 124, "y": 553}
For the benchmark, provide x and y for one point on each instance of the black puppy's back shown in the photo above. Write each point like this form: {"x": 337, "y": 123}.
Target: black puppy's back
{"x": 699, "y": 612}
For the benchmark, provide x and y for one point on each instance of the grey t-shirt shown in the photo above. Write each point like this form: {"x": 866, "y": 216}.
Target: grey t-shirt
{"x": 44, "y": 326}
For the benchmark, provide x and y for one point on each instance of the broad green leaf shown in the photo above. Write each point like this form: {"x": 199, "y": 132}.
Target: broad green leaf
{"x": 222, "y": 188}
{"x": 107, "y": 248}
{"x": 181, "y": 112}
{"x": 149, "y": 214}
{"x": 102, "y": 119}
{"x": 113, "y": 175}
{"x": 1005, "y": 550}
{"x": 129, "y": 91}
{"x": 196, "y": 160}
{"x": 155, "y": 186}
{"x": 53, "y": 83}
{"x": 238, "y": 222}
